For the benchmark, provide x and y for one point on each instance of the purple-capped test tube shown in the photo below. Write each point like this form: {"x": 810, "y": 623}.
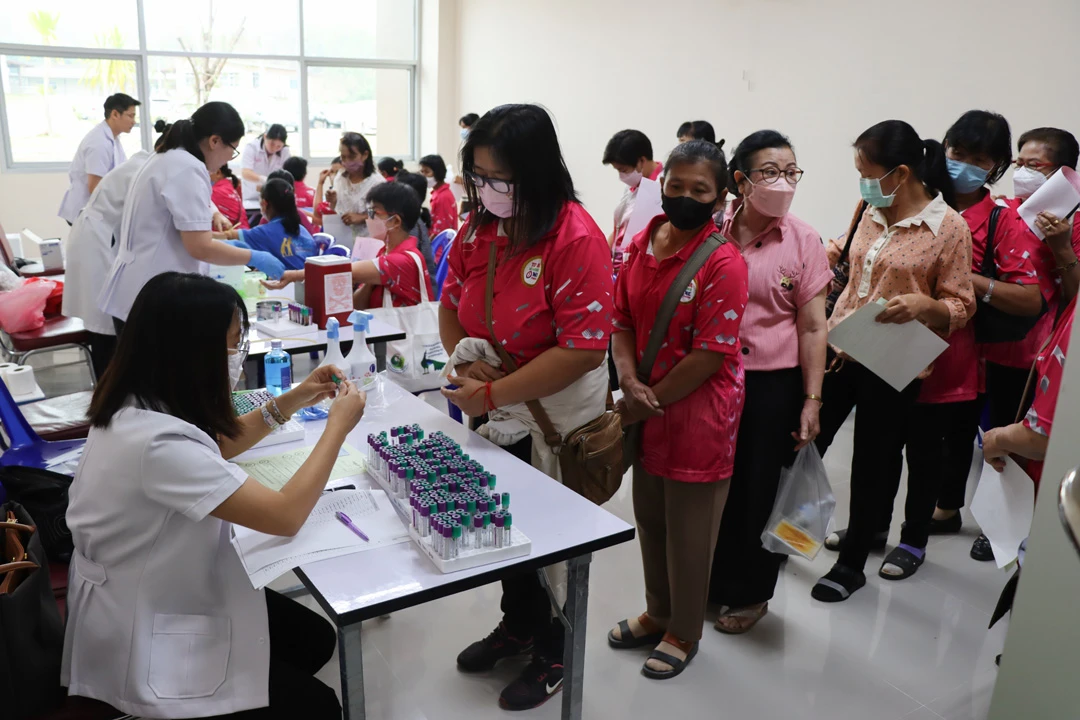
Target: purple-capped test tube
{"x": 498, "y": 519}
{"x": 478, "y": 531}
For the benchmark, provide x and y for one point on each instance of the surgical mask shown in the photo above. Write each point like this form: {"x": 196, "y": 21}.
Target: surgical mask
{"x": 430, "y": 182}
{"x": 377, "y": 228}
{"x": 1026, "y": 181}
{"x": 497, "y": 203}
{"x": 966, "y": 178}
{"x": 870, "y": 188}
{"x": 633, "y": 179}
{"x": 236, "y": 367}
{"x": 354, "y": 166}
{"x": 686, "y": 213}
{"x": 464, "y": 133}
{"x": 772, "y": 199}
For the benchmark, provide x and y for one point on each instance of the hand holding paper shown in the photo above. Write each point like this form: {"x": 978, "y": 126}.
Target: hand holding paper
{"x": 1059, "y": 195}
{"x": 1003, "y": 505}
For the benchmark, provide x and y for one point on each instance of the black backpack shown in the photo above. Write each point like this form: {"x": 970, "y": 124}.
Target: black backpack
{"x": 44, "y": 495}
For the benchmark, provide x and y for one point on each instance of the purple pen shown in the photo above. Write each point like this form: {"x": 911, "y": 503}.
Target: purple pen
{"x": 349, "y": 524}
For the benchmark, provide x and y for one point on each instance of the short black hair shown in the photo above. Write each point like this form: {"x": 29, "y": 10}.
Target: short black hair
{"x": 523, "y": 138}
{"x": 397, "y": 199}
{"x": 436, "y": 164}
{"x": 120, "y": 103}
{"x": 744, "y": 153}
{"x": 419, "y": 184}
{"x": 892, "y": 143}
{"x": 196, "y": 311}
{"x": 697, "y": 130}
{"x": 390, "y": 166}
{"x": 981, "y": 132}
{"x": 282, "y": 174}
{"x": 276, "y": 131}
{"x": 469, "y": 119}
{"x": 359, "y": 144}
{"x": 626, "y": 147}
{"x": 297, "y": 166}
{"x": 698, "y": 151}
{"x": 1064, "y": 150}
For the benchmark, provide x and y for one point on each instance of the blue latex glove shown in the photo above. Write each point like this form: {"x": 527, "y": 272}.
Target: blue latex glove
{"x": 267, "y": 264}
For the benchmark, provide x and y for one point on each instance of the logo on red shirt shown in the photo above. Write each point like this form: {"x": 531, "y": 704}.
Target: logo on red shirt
{"x": 690, "y": 292}
{"x": 530, "y": 271}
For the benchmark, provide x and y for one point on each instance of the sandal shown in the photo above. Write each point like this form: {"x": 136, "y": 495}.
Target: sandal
{"x": 838, "y": 584}
{"x": 907, "y": 561}
{"x": 750, "y": 613}
{"x": 835, "y": 540}
{"x": 627, "y": 640}
{"x": 677, "y": 665}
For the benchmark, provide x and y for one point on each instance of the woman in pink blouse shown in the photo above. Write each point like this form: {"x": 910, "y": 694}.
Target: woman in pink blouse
{"x": 911, "y": 249}
{"x": 783, "y": 340}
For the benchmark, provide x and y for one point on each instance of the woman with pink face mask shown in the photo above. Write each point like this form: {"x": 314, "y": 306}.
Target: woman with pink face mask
{"x": 783, "y": 336}
{"x": 348, "y": 198}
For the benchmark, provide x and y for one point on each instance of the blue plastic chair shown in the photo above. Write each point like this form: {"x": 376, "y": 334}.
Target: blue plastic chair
{"x": 26, "y": 446}
{"x": 443, "y": 241}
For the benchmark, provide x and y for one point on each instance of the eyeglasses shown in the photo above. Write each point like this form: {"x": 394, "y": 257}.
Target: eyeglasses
{"x": 242, "y": 348}
{"x": 235, "y": 152}
{"x": 499, "y": 186}
{"x": 769, "y": 175}
{"x": 1032, "y": 164}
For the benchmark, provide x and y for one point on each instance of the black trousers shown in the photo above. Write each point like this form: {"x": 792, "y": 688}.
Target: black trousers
{"x": 102, "y": 349}
{"x": 939, "y": 448}
{"x": 525, "y": 604}
{"x": 743, "y": 572}
{"x": 881, "y": 426}
{"x": 301, "y": 643}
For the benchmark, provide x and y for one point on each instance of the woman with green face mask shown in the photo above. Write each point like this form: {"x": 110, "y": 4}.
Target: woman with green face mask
{"x": 912, "y": 250}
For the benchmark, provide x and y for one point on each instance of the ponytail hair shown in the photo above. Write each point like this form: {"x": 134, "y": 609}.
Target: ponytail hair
{"x": 227, "y": 172}
{"x": 161, "y": 127}
{"x": 213, "y": 118}
{"x": 280, "y": 196}
{"x": 893, "y": 143}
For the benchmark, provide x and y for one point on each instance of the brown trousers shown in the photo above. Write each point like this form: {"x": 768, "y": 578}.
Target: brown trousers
{"x": 678, "y": 523}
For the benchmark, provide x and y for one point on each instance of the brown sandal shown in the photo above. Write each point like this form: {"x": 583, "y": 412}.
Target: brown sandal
{"x": 753, "y": 615}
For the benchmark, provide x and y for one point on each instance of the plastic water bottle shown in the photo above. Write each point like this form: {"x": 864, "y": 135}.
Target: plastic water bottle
{"x": 278, "y": 367}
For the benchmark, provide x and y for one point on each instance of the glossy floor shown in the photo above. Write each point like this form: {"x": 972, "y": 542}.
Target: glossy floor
{"x": 917, "y": 649}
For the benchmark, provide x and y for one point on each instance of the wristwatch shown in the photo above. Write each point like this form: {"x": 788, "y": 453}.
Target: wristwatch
{"x": 989, "y": 291}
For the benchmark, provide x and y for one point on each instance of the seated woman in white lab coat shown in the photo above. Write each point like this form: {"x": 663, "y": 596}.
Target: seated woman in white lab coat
{"x": 162, "y": 619}
{"x": 168, "y": 215}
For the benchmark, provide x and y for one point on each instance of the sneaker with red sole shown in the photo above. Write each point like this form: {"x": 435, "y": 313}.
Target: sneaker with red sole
{"x": 537, "y": 683}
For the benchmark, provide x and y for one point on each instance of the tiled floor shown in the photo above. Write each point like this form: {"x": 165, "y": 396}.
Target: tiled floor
{"x": 917, "y": 650}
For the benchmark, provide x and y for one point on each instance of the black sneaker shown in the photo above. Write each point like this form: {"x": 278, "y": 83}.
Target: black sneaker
{"x": 499, "y": 645}
{"x": 538, "y": 681}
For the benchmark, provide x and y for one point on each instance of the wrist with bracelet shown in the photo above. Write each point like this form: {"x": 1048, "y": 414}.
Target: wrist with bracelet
{"x": 812, "y": 396}
{"x": 1067, "y": 266}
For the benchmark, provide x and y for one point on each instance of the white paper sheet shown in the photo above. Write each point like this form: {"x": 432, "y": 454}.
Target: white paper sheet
{"x": 1059, "y": 195}
{"x": 646, "y": 207}
{"x": 366, "y": 248}
{"x": 334, "y": 225}
{"x": 268, "y": 557}
{"x": 274, "y": 471}
{"x": 895, "y": 353}
{"x": 1003, "y": 505}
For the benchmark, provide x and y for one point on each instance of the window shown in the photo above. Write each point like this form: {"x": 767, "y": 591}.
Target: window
{"x": 356, "y": 63}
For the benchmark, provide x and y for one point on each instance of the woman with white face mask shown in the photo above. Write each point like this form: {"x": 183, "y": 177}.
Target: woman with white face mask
{"x": 162, "y": 618}
{"x": 630, "y": 153}
{"x": 783, "y": 336}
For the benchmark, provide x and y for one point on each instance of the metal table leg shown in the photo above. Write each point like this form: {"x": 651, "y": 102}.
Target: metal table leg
{"x": 351, "y": 660}
{"x": 577, "y": 605}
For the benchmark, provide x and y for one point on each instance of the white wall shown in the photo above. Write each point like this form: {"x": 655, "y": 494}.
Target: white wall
{"x": 820, "y": 71}
{"x": 31, "y": 199}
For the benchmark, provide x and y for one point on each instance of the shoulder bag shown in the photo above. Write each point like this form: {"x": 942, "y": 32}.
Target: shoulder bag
{"x": 664, "y": 316}
{"x": 991, "y": 324}
{"x": 842, "y": 268}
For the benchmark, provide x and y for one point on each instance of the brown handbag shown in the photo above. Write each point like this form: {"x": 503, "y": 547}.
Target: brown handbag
{"x": 14, "y": 565}
{"x": 591, "y": 456}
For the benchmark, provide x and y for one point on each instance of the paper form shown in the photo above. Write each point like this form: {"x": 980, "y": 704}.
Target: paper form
{"x": 268, "y": 557}
{"x": 1059, "y": 195}
{"x": 334, "y": 225}
{"x": 895, "y": 353}
{"x": 1003, "y": 505}
{"x": 646, "y": 207}
{"x": 274, "y": 471}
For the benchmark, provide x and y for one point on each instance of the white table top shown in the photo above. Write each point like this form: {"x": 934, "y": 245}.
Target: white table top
{"x": 560, "y": 523}
{"x": 380, "y": 332}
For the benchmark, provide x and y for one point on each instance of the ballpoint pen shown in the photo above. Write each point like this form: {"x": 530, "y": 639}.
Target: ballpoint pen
{"x": 349, "y": 524}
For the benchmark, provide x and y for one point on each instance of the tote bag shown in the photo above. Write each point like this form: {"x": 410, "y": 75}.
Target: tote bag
{"x": 415, "y": 362}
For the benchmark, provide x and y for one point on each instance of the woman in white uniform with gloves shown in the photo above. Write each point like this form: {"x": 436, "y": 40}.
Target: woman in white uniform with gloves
{"x": 162, "y": 618}
{"x": 167, "y": 215}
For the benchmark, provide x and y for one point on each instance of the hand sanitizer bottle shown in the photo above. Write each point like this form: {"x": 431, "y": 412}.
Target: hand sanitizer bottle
{"x": 360, "y": 364}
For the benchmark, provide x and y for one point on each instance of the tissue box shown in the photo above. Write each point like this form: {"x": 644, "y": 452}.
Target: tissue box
{"x": 51, "y": 250}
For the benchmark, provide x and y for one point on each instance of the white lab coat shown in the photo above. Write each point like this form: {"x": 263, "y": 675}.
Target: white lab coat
{"x": 256, "y": 158}
{"x": 90, "y": 249}
{"x": 99, "y": 152}
{"x": 172, "y": 196}
{"x": 162, "y": 619}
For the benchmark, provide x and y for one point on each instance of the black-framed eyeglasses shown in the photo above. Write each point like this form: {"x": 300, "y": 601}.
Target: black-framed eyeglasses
{"x": 769, "y": 175}
{"x": 499, "y": 186}
{"x": 235, "y": 152}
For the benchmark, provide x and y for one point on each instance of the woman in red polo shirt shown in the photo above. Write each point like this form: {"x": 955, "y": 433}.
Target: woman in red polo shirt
{"x": 225, "y": 195}
{"x": 690, "y": 403}
{"x": 444, "y": 209}
{"x": 783, "y": 340}
{"x": 392, "y": 210}
{"x": 552, "y": 297}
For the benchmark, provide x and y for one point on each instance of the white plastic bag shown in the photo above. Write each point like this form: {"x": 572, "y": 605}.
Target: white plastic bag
{"x": 803, "y": 510}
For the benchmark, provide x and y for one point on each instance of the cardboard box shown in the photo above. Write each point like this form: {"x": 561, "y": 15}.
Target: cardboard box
{"x": 51, "y": 250}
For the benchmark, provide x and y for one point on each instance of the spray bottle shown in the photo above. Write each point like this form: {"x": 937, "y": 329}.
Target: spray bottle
{"x": 360, "y": 364}
{"x": 333, "y": 346}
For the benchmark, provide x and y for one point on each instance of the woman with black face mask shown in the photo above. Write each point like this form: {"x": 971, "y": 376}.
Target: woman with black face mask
{"x": 690, "y": 400}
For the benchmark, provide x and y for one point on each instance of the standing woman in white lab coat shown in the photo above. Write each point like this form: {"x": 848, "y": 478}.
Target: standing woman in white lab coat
{"x": 90, "y": 250}
{"x": 162, "y": 618}
{"x": 168, "y": 214}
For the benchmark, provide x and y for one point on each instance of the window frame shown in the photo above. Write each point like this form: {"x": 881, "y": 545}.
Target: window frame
{"x": 142, "y": 56}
